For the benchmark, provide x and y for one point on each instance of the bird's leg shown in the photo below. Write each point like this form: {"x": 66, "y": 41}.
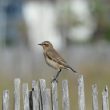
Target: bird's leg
{"x": 55, "y": 79}
{"x": 57, "y": 74}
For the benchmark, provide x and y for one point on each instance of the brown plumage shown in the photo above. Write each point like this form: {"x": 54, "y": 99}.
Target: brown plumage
{"x": 53, "y": 58}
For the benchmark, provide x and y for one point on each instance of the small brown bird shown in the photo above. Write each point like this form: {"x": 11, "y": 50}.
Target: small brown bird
{"x": 53, "y": 59}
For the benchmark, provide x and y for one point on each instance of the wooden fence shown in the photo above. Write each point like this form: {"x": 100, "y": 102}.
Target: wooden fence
{"x": 42, "y": 98}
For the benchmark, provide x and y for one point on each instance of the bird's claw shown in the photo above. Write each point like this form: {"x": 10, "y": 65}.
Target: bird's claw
{"x": 54, "y": 80}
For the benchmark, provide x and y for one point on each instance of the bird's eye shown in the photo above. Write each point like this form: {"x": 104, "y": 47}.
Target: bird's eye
{"x": 46, "y": 45}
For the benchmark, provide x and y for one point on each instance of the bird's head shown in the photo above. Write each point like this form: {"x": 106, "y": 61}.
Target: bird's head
{"x": 46, "y": 45}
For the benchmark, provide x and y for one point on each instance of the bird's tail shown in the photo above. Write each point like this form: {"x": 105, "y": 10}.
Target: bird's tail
{"x": 69, "y": 67}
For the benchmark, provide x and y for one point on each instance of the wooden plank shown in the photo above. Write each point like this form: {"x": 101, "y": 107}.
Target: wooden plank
{"x": 94, "y": 97}
{"x": 25, "y": 96}
{"x": 47, "y": 100}
{"x": 5, "y": 100}
{"x": 35, "y": 95}
{"x": 65, "y": 98}
{"x": 17, "y": 94}
{"x": 105, "y": 100}
{"x": 54, "y": 96}
{"x": 42, "y": 87}
{"x": 81, "y": 95}
{"x": 44, "y": 94}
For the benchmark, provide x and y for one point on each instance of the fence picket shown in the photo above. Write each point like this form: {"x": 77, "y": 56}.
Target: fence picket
{"x": 17, "y": 94}
{"x": 105, "y": 101}
{"x": 65, "y": 99}
{"x": 44, "y": 94}
{"x": 47, "y": 99}
{"x": 35, "y": 95}
{"x": 5, "y": 100}
{"x": 54, "y": 96}
{"x": 81, "y": 95}
{"x": 95, "y": 97}
{"x": 25, "y": 96}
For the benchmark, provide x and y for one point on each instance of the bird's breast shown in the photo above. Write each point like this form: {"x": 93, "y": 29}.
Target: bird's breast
{"x": 52, "y": 63}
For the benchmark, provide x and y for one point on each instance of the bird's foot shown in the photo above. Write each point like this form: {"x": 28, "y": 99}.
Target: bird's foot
{"x": 54, "y": 80}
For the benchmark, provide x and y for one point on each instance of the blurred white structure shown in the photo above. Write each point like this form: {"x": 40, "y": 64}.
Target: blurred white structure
{"x": 77, "y": 19}
{"x": 41, "y": 22}
{"x": 85, "y": 29}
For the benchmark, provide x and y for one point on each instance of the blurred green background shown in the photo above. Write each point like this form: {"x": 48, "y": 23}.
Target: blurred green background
{"x": 79, "y": 30}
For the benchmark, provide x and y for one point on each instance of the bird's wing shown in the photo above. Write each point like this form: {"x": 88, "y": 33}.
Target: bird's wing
{"x": 53, "y": 55}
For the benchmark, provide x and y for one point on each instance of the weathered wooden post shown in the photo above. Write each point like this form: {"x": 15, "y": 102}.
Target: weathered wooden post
{"x": 54, "y": 96}
{"x": 94, "y": 97}
{"x": 35, "y": 95}
{"x": 65, "y": 99}
{"x": 5, "y": 100}
{"x": 105, "y": 100}
{"x": 25, "y": 92}
{"x": 47, "y": 98}
{"x": 81, "y": 95}
{"x": 17, "y": 94}
{"x": 44, "y": 94}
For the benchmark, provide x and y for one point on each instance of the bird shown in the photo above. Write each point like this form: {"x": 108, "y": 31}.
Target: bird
{"x": 53, "y": 59}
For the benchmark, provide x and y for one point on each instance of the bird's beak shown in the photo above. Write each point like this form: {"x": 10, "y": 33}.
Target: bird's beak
{"x": 40, "y": 44}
